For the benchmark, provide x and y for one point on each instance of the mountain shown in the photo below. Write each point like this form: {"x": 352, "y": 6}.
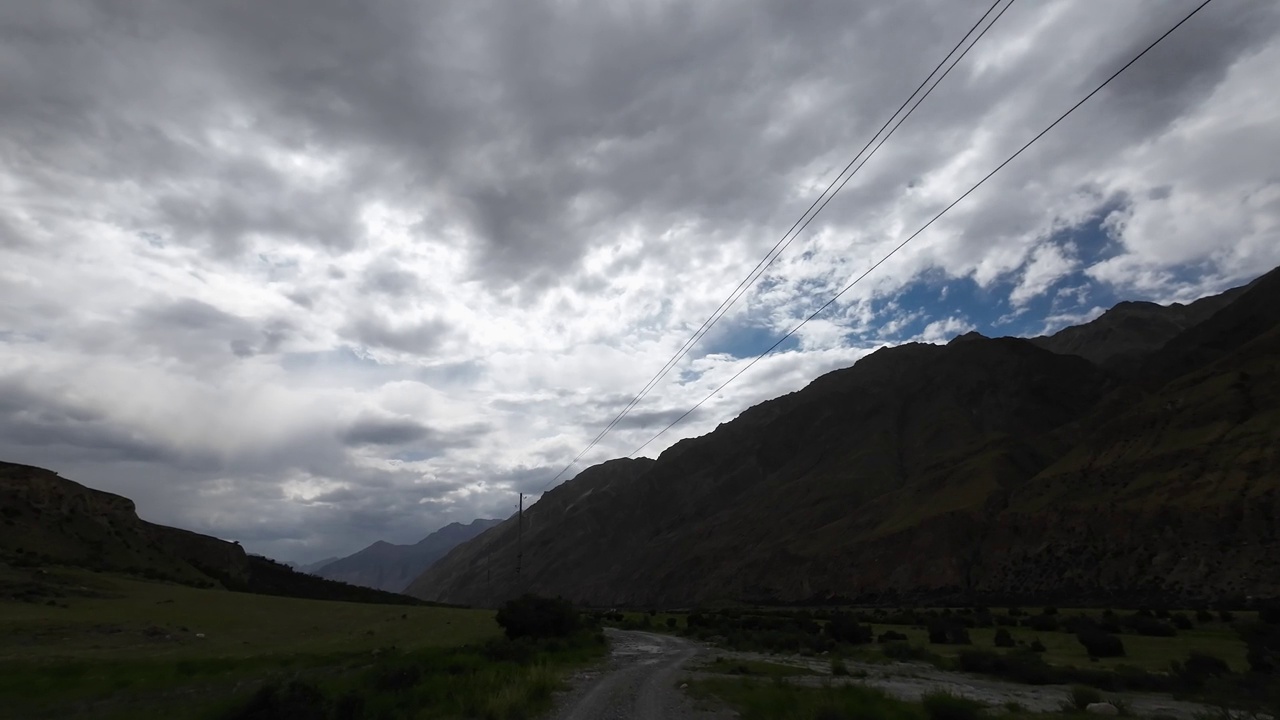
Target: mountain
{"x": 49, "y": 520}
{"x": 986, "y": 470}
{"x": 311, "y": 568}
{"x": 1131, "y": 331}
{"x": 390, "y": 567}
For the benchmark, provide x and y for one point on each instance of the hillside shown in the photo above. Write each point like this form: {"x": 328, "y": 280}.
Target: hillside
{"x": 986, "y": 470}
{"x": 391, "y": 567}
{"x": 51, "y": 521}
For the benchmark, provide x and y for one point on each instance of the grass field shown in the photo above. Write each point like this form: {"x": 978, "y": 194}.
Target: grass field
{"x": 99, "y": 645}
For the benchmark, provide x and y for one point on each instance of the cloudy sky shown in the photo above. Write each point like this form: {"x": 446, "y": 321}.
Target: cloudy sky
{"x": 312, "y": 274}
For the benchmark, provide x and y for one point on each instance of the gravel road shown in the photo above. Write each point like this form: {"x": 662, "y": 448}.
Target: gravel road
{"x": 638, "y": 683}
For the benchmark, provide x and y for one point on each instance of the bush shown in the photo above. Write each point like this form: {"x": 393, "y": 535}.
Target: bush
{"x": 1100, "y": 644}
{"x": 905, "y": 651}
{"x": 1037, "y": 646}
{"x": 1226, "y": 616}
{"x": 1262, "y": 644}
{"x": 1081, "y": 697}
{"x": 1050, "y": 611}
{"x": 1270, "y": 615}
{"x": 1004, "y": 639}
{"x": 945, "y": 706}
{"x": 845, "y": 628}
{"x": 889, "y": 636}
{"x": 1203, "y": 665}
{"x": 1022, "y": 667}
{"x": 1042, "y": 623}
{"x": 534, "y": 616}
{"x": 947, "y": 632}
{"x": 1203, "y": 616}
{"x": 1181, "y": 622}
{"x": 1147, "y": 625}
{"x": 838, "y": 668}
{"x": 294, "y": 701}
{"x": 672, "y": 623}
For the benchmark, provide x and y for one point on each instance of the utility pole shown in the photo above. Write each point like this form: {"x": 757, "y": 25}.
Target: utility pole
{"x": 519, "y": 541}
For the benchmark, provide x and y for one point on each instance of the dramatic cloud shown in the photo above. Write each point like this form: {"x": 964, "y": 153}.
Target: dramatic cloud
{"x": 312, "y": 274}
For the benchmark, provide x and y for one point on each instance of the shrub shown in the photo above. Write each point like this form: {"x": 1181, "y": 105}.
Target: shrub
{"x": 1042, "y": 623}
{"x": 1004, "y": 639}
{"x": 1050, "y": 611}
{"x": 296, "y": 701}
{"x": 1023, "y": 667}
{"x": 905, "y": 651}
{"x": 1037, "y": 646}
{"x": 889, "y": 636}
{"x": 1262, "y": 644}
{"x": 1270, "y": 615}
{"x": 845, "y": 628}
{"x": 672, "y": 623}
{"x": 1181, "y": 622}
{"x": 1081, "y": 697}
{"x": 945, "y": 706}
{"x": 1203, "y": 616}
{"x": 1100, "y": 644}
{"x": 948, "y": 632}
{"x": 1147, "y": 625}
{"x": 1203, "y": 665}
{"x": 838, "y": 668}
{"x": 1226, "y": 616}
{"x": 534, "y": 616}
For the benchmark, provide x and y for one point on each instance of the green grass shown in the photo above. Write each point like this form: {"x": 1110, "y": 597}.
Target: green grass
{"x": 780, "y": 701}
{"x": 148, "y": 620}
{"x": 113, "y": 646}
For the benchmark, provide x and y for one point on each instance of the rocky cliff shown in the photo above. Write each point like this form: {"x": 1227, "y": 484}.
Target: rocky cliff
{"x": 986, "y": 470}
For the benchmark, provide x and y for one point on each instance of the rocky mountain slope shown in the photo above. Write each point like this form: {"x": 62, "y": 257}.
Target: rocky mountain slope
{"x": 391, "y": 567}
{"x": 986, "y": 470}
{"x": 47, "y": 520}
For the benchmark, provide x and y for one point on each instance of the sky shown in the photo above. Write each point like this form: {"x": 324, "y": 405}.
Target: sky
{"x": 311, "y": 274}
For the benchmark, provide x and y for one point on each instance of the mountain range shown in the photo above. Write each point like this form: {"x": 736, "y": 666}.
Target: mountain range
{"x": 1131, "y": 459}
{"x": 48, "y": 520}
{"x": 391, "y": 567}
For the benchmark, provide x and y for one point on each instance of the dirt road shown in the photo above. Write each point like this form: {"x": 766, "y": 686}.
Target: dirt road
{"x": 638, "y": 683}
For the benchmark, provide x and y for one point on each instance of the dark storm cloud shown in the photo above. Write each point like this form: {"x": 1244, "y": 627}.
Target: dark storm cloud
{"x": 33, "y": 420}
{"x": 384, "y": 431}
{"x": 525, "y": 134}
{"x": 420, "y": 337}
{"x": 196, "y": 331}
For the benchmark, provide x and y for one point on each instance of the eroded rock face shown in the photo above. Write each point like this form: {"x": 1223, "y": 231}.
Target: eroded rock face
{"x": 55, "y": 520}
{"x": 988, "y": 468}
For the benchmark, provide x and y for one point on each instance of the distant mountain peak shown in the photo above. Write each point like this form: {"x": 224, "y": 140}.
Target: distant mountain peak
{"x": 968, "y": 337}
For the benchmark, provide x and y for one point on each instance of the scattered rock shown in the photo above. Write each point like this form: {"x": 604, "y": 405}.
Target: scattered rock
{"x": 1102, "y": 708}
{"x": 200, "y": 635}
{"x": 684, "y": 686}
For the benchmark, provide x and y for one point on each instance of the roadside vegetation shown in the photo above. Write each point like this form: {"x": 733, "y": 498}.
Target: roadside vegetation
{"x": 1214, "y": 656}
{"x": 99, "y": 645}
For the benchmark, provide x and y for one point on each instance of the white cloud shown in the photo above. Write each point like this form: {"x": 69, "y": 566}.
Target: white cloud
{"x": 461, "y": 237}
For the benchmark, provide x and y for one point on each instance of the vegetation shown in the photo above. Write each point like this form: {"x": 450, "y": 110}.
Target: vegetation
{"x": 538, "y": 617}
{"x": 945, "y": 706}
{"x": 111, "y": 646}
{"x": 506, "y": 680}
{"x": 784, "y": 701}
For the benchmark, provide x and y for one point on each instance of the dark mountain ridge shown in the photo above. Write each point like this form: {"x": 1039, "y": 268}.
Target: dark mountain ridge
{"x": 985, "y": 470}
{"x": 49, "y": 520}
{"x": 391, "y": 567}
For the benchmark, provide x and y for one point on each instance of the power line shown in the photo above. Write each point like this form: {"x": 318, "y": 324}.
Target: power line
{"x": 803, "y": 222}
{"x": 924, "y": 227}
